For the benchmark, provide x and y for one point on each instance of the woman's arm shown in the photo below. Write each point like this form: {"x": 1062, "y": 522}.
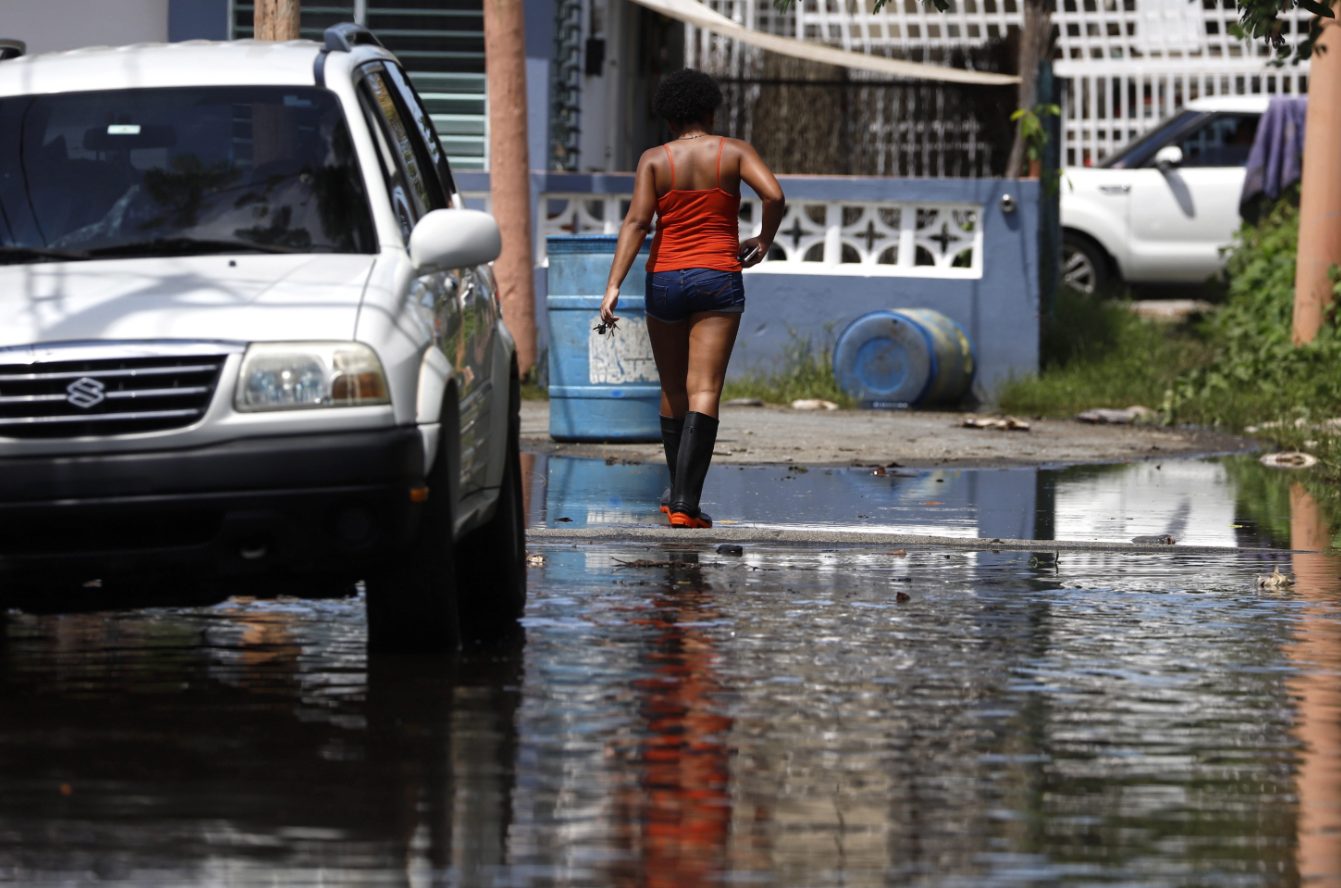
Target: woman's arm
{"x": 632, "y": 233}
{"x": 755, "y": 173}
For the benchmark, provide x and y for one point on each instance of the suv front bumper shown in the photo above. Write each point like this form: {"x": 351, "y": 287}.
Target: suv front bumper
{"x": 322, "y": 504}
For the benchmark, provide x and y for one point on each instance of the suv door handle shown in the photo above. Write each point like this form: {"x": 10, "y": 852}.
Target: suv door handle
{"x": 1115, "y": 189}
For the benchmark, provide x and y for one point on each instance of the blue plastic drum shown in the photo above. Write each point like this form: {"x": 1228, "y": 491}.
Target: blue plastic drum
{"x": 601, "y": 387}
{"x": 902, "y": 358}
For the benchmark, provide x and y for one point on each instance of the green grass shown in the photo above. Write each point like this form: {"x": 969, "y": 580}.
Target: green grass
{"x": 1097, "y": 353}
{"x": 806, "y": 372}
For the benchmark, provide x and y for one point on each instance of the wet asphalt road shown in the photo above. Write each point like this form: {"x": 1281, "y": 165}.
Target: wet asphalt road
{"x": 799, "y": 714}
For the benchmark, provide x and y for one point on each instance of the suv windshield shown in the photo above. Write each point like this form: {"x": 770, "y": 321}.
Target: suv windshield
{"x": 178, "y": 171}
{"x": 1135, "y": 154}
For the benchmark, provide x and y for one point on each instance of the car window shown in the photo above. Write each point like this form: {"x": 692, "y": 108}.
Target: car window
{"x": 411, "y": 179}
{"x": 419, "y": 114}
{"x": 1222, "y": 141}
{"x": 155, "y": 171}
{"x": 1138, "y": 152}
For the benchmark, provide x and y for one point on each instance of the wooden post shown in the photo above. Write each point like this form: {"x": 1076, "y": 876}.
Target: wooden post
{"x": 509, "y": 170}
{"x": 277, "y": 19}
{"x": 1320, "y": 188}
{"x": 1035, "y": 46}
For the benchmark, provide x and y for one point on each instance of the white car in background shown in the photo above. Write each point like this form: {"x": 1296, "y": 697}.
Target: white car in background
{"x": 251, "y": 339}
{"x": 1161, "y": 210}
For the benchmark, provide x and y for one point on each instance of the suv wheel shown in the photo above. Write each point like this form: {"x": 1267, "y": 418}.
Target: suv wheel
{"x": 412, "y": 601}
{"x": 1085, "y": 267}
{"x": 491, "y": 560}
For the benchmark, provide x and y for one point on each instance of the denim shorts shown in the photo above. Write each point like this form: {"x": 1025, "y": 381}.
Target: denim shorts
{"x": 672, "y": 296}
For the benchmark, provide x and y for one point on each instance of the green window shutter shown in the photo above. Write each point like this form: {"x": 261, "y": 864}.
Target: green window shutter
{"x": 441, "y": 45}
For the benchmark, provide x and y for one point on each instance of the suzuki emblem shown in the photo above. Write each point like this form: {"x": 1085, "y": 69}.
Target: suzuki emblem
{"x": 85, "y": 392}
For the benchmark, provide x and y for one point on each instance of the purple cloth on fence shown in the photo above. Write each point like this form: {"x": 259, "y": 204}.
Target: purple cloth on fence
{"x": 1276, "y": 159}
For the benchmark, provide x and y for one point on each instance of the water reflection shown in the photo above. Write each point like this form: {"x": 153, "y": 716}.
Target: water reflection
{"x": 1195, "y": 502}
{"x": 247, "y": 745}
{"x": 1316, "y": 686}
{"x": 678, "y": 813}
{"x": 1011, "y": 723}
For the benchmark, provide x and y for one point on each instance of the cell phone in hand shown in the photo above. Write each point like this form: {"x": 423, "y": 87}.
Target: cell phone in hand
{"x": 749, "y": 257}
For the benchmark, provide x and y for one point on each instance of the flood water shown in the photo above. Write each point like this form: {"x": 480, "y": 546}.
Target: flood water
{"x": 789, "y": 716}
{"x": 1195, "y": 502}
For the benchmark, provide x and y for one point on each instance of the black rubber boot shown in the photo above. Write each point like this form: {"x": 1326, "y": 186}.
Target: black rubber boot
{"x": 691, "y": 469}
{"x": 670, "y": 441}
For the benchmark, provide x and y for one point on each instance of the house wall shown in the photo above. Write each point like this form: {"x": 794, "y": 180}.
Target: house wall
{"x": 54, "y": 25}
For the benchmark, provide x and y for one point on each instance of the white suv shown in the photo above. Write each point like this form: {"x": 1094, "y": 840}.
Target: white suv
{"x": 1161, "y": 209}
{"x": 251, "y": 339}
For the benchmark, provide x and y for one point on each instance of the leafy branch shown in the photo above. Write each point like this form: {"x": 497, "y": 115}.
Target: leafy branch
{"x": 1029, "y": 123}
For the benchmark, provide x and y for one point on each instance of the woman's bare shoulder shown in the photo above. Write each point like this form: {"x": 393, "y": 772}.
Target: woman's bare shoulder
{"x": 740, "y": 145}
{"x": 652, "y": 155}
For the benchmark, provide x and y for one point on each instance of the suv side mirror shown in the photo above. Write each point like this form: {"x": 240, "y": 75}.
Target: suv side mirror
{"x": 446, "y": 239}
{"x": 1168, "y": 158}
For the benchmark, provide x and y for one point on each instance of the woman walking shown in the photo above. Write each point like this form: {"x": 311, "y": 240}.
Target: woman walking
{"x": 695, "y": 292}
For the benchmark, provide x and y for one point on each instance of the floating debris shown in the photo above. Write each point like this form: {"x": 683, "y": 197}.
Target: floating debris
{"x": 1289, "y": 459}
{"x": 1276, "y": 582}
{"x": 536, "y": 560}
{"x": 903, "y": 597}
{"x": 730, "y": 549}
{"x": 1162, "y": 539}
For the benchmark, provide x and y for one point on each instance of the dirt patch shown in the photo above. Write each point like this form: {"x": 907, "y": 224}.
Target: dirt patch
{"x": 766, "y": 435}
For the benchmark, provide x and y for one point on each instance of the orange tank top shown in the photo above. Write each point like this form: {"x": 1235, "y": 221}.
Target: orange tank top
{"x": 696, "y": 229}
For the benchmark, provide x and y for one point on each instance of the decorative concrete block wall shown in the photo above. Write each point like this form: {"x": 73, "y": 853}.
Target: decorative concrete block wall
{"x": 967, "y": 248}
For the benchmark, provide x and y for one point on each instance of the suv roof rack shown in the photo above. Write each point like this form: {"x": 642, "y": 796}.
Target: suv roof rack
{"x": 347, "y": 35}
{"x": 11, "y": 49}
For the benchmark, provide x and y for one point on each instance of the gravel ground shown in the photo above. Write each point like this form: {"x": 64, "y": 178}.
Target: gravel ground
{"x": 764, "y": 435}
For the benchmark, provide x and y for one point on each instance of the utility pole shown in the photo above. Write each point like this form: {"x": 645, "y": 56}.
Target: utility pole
{"x": 509, "y": 170}
{"x": 1319, "y": 187}
{"x": 277, "y": 19}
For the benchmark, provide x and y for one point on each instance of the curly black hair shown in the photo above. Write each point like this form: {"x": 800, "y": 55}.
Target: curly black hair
{"x": 687, "y": 96}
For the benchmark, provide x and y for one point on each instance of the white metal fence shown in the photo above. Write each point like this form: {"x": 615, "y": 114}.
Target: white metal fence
{"x": 1129, "y": 63}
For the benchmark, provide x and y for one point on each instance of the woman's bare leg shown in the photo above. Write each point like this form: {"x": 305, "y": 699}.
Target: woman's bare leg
{"x": 670, "y": 349}
{"x": 712, "y": 335}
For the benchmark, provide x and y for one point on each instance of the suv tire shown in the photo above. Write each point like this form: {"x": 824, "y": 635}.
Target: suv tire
{"x": 1085, "y": 266}
{"x": 491, "y": 560}
{"x": 412, "y": 601}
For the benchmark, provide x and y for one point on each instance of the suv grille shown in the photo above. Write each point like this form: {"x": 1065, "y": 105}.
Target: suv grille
{"x": 68, "y": 399}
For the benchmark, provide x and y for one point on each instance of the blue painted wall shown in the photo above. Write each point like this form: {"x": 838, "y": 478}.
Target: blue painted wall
{"x": 197, "y": 20}
{"x": 539, "y": 48}
{"x": 999, "y": 311}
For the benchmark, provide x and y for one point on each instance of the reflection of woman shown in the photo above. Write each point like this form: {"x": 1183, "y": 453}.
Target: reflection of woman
{"x": 695, "y": 294}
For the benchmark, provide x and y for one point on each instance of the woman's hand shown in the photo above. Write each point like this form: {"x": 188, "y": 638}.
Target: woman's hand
{"x": 608, "y": 304}
{"x": 752, "y": 251}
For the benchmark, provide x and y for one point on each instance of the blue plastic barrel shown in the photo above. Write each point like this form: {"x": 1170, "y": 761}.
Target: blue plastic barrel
{"x": 601, "y": 387}
{"x": 902, "y": 358}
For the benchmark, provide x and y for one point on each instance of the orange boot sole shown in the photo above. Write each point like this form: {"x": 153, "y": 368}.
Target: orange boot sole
{"x": 684, "y": 519}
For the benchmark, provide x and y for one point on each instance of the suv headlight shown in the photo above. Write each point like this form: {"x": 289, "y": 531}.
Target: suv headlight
{"x": 305, "y": 375}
